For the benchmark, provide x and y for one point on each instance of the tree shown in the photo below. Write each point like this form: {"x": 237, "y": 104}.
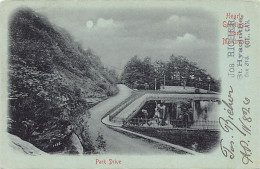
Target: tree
{"x": 133, "y": 71}
{"x": 138, "y": 73}
{"x": 177, "y": 71}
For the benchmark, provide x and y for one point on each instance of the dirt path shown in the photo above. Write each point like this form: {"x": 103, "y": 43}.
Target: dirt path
{"x": 118, "y": 143}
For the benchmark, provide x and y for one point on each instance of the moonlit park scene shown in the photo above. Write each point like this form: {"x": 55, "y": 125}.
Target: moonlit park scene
{"x": 96, "y": 80}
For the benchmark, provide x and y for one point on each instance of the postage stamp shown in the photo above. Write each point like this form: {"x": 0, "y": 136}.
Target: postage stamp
{"x": 130, "y": 84}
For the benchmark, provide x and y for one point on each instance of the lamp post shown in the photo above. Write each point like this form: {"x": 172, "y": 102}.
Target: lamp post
{"x": 184, "y": 80}
{"x": 155, "y": 84}
{"x": 208, "y": 78}
{"x": 192, "y": 77}
{"x": 163, "y": 81}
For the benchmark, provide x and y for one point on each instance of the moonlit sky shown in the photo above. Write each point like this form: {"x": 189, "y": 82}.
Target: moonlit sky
{"x": 117, "y": 34}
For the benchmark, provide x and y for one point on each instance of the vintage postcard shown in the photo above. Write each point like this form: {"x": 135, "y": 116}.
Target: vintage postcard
{"x": 130, "y": 84}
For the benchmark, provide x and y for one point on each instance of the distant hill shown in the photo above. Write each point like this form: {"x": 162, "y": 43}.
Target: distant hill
{"x": 51, "y": 78}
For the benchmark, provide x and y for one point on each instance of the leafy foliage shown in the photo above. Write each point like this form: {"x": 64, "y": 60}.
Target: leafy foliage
{"x": 177, "y": 71}
{"x": 138, "y": 72}
{"x": 50, "y": 78}
{"x": 101, "y": 147}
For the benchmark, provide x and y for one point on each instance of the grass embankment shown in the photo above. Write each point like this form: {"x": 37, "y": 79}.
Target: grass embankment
{"x": 198, "y": 140}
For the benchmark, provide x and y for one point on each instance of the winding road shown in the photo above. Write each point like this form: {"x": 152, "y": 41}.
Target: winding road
{"x": 119, "y": 143}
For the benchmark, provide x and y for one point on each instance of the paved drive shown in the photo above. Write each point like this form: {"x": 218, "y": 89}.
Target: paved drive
{"x": 118, "y": 143}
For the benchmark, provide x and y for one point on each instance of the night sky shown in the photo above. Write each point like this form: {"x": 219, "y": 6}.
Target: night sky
{"x": 117, "y": 34}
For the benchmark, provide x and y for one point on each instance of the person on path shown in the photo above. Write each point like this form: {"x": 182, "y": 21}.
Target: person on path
{"x": 145, "y": 114}
{"x": 157, "y": 115}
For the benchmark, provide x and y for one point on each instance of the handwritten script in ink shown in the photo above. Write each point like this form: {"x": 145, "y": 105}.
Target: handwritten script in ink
{"x": 229, "y": 124}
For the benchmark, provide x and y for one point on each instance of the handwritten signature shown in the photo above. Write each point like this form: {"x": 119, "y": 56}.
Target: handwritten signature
{"x": 246, "y": 153}
{"x": 228, "y": 151}
{"x": 228, "y": 125}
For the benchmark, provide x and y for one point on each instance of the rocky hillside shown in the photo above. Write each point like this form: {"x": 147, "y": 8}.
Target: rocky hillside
{"x": 51, "y": 81}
